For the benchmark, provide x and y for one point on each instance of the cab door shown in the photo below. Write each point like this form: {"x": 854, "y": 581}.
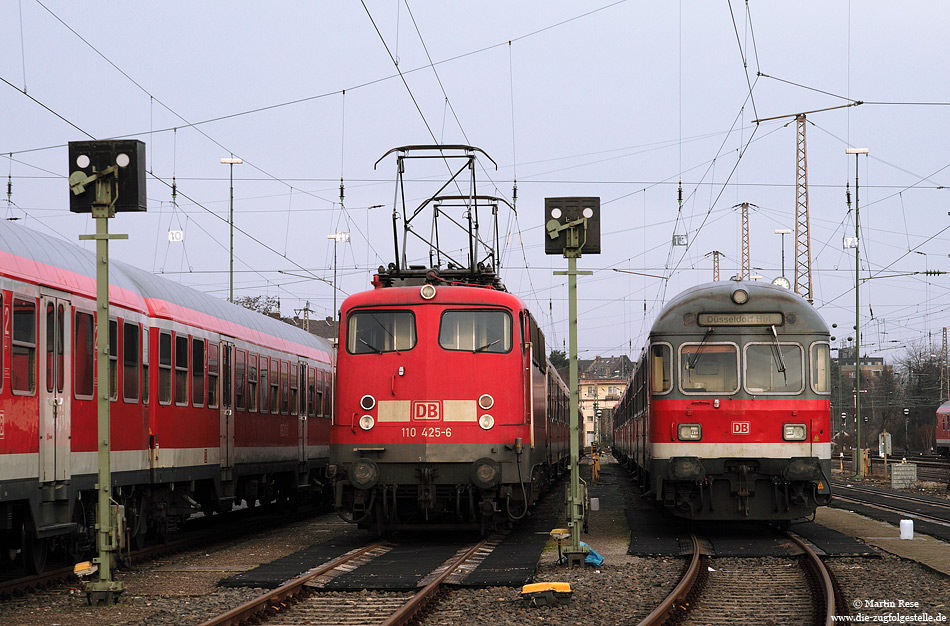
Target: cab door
{"x": 55, "y": 366}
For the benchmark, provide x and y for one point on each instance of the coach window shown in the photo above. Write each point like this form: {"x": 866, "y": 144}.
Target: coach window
{"x": 181, "y": 370}
{"x": 709, "y": 368}
{"x": 284, "y": 387}
{"x": 661, "y": 368}
{"x": 252, "y": 383}
{"x": 274, "y": 386}
{"x": 369, "y": 332}
{"x": 294, "y": 397}
{"x": 212, "y": 375}
{"x": 145, "y": 350}
{"x": 198, "y": 371}
{"x": 240, "y": 376}
{"x": 311, "y": 392}
{"x": 476, "y": 331}
{"x": 774, "y": 368}
{"x": 164, "y": 368}
{"x": 113, "y": 360}
{"x": 265, "y": 388}
{"x": 821, "y": 367}
{"x": 130, "y": 362}
{"x": 23, "y": 366}
{"x": 84, "y": 356}
{"x": 50, "y": 345}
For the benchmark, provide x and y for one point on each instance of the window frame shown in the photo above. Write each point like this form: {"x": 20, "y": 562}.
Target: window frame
{"x": 30, "y": 347}
{"x": 182, "y": 372}
{"x": 510, "y": 329}
{"x": 198, "y": 396}
{"x": 679, "y": 368}
{"x": 358, "y": 312}
{"x": 812, "y": 363}
{"x": 771, "y": 344}
{"x": 166, "y": 368}
{"x": 89, "y": 357}
{"x": 136, "y": 363}
{"x": 669, "y": 370}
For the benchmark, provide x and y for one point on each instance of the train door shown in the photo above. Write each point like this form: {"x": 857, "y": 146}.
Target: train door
{"x": 302, "y": 398}
{"x": 54, "y": 383}
{"x": 227, "y": 416}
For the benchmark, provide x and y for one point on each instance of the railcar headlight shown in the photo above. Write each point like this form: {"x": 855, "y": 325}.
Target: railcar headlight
{"x": 364, "y": 474}
{"x": 367, "y": 402}
{"x": 486, "y": 401}
{"x": 740, "y": 295}
{"x": 486, "y": 421}
{"x": 485, "y": 473}
{"x": 794, "y": 432}
{"x": 367, "y": 422}
{"x": 689, "y": 432}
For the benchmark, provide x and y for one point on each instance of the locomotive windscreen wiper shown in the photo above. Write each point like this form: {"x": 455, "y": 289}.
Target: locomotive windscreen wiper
{"x": 369, "y": 345}
{"x": 486, "y": 346}
{"x": 777, "y": 352}
{"x": 691, "y": 364}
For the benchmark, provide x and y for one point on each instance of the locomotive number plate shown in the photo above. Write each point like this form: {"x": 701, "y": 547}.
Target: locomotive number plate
{"x": 426, "y": 410}
{"x": 741, "y": 428}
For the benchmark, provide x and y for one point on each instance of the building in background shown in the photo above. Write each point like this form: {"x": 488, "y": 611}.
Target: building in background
{"x": 601, "y": 382}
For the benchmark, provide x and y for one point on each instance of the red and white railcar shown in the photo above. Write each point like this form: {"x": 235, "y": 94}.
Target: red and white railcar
{"x": 447, "y": 409}
{"x": 728, "y": 414}
{"x": 942, "y": 429}
{"x": 211, "y": 403}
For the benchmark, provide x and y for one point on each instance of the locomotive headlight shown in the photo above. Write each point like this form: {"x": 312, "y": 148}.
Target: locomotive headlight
{"x": 794, "y": 432}
{"x": 367, "y": 402}
{"x": 689, "y": 432}
{"x": 427, "y": 292}
{"x": 367, "y": 422}
{"x": 740, "y": 295}
{"x": 486, "y": 401}
{"x": 486, "y": 421}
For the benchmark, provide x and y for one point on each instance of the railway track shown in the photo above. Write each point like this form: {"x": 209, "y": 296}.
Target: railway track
{"x": 928, "y": 509}
{"x": 726, "y": 591}
{"x": 298, "y": 601}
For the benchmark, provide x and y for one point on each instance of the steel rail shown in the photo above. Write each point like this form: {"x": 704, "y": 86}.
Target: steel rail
{"x": 409, "y": 610}
{"x": 818, "y": 566}
{"x": 664, "y": 611}
{"x": 250, "y": 609}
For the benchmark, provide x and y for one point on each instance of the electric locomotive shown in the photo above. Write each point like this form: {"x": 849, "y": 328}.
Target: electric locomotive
{"x": 447, "y": 410}
{"x": 727, "y": 416}
{"x": 211, "y": 403}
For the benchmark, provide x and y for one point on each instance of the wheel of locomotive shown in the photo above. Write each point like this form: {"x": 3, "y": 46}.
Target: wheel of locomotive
{"x": 33, "y": 550}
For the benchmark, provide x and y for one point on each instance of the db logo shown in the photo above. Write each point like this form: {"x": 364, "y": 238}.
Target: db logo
{"x": 426, "y": 410}
{"x": 741, "y": 428}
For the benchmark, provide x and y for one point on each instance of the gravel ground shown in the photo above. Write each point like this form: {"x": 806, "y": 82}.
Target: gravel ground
{"x": 890, "y": 579}
{"x": 181, "y": 589}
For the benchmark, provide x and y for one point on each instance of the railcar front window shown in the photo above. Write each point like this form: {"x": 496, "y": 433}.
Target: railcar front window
{"x": 476, "y": 331}
{"x": 821, "y": 367}
{"x": 369, "y": 332}
{"x": 706, "y": 368}
{"x": 764, "y": 369}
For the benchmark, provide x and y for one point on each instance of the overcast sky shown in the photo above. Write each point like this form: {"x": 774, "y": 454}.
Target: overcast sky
{"x": 617, "y": 100}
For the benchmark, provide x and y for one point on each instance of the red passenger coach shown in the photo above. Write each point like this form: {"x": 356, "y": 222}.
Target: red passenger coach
{"x": 447, "y": 411}
{"x": 211, "y": 403}
{"x": 728, "y": 413}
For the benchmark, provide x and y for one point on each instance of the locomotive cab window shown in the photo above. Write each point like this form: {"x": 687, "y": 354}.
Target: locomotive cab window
{"x": 476, "y": 331}
{"x": 709, "y": 368}
{"x": 369, "y": 332}
{"x": 821, "y": 367}
{"x": 774, "y": 368}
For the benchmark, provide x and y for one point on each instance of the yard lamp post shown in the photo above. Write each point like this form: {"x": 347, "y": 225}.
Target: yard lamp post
{"x": 231, "y": 162}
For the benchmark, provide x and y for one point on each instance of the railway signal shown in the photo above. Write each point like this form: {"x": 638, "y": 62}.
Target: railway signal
{"x": 105, "y": 177}
{"x": 572, "y": 226}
